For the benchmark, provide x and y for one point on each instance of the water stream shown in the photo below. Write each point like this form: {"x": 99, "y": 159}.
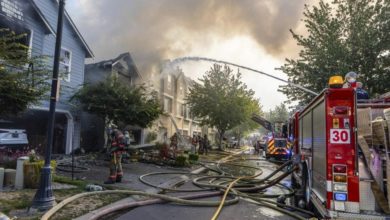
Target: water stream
{"x": 181, "y": 140}
{"x": 184, "y": 59}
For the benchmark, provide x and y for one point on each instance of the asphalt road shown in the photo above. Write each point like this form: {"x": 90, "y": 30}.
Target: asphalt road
{"x": 241, "y": 210}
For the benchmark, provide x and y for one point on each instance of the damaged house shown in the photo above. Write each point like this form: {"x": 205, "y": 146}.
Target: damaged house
{"x": 38, "y": 19}
{"x": 123, "y": 68}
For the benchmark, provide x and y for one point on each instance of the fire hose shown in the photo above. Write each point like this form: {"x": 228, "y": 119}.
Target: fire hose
{"x": 245, "y": 187}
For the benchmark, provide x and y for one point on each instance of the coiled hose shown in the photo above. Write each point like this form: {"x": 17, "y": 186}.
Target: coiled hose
{"x": 250, "y": 187}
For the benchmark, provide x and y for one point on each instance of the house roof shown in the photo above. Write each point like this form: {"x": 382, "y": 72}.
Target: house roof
{"x": 125, "y": 56}
{"x": 85, "y": 45}
{"x": 42, "y": 17}
{"x": 72, "y": 24}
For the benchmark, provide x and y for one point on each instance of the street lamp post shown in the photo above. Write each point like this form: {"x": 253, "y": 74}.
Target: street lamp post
{"x": 44, "y": 198}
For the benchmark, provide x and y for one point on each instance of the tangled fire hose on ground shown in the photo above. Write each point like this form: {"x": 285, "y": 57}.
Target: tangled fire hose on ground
{"x": 234, "y": 187}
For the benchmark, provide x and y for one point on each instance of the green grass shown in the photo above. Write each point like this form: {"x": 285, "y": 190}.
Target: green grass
{"x": 68, "y": 180}
{"x": 22, "y": 202}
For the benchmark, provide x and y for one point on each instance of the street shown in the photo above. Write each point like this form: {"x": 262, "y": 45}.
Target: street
{"x": 244, "y": 209}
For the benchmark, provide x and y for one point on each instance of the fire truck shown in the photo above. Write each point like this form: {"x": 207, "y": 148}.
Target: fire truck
{"x": 277, "y": 146}
{"x": 341, "y": 148}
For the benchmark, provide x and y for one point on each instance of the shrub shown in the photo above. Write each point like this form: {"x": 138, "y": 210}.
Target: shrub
{"x": 151, "y": 136}
{"x": 193, "y": 157}
{"x": 32, "y": 172}
{"x": 180, "y": 161}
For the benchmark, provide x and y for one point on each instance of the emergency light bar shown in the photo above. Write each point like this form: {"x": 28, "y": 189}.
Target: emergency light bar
{"x": 336, "y": 82}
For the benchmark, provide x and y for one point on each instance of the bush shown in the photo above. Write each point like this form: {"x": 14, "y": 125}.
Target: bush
{"x": 193, "y": 157}
{"x": 32, "y": 172}
{"x": 180, "y": 161}
{"x": 151, "y": 136}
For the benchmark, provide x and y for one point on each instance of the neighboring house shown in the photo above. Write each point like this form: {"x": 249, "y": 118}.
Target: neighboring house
{"x": 38, "y": 18}
{"x": 174, "y": 87}
{"x": 122, "y": 67}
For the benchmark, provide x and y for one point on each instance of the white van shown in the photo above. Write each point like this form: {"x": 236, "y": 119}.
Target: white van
{"x": 13, "y": 137}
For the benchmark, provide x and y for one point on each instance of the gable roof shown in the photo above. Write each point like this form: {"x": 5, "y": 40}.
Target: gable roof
{"x": 111, "y": 62}
{"x": 43, "y": 18}
{"x": 85, "y": 45}
{"x": 52, "y": 26}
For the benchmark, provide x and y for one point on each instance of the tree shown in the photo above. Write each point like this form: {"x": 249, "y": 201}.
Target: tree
{"x": 220, "y": 100}
{"x": 248, "y": 124}
{"x": 343, "y": 36}
{"x": 275, "y": 115}
{"x": 117, "y": 103}
{"x": 23, "y": 79}
{"x": 278, "y": 114}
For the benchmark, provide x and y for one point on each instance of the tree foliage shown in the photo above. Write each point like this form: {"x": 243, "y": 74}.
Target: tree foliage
{"x": 343, "y": 36}
{"x": 118, "y": 103}
{"x": 248, "y": 124}
{"x": 23, "y": 79}
{"x": 278, "y": 114}
{"x": 221, "y": 99}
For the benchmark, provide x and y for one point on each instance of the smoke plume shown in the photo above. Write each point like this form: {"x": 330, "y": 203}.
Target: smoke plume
{"x": 155, "y": 30}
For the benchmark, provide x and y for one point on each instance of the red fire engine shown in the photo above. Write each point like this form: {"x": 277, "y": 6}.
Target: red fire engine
{"x": 334, "y": 147}
{"x": 277, "y": 146}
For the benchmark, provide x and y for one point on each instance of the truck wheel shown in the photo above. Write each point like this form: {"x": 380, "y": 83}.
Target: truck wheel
{"x": 295, "y": 198}
{"x": 306, "y": 189}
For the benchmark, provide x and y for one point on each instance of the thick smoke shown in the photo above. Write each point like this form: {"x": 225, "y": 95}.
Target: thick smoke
{"x": 155, "y": 30}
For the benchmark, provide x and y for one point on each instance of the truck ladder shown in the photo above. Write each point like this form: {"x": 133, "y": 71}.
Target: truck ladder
{"x": 372, "y": 137}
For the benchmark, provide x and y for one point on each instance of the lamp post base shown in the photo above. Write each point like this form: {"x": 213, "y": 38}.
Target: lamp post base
{"x": 44, "y": 198}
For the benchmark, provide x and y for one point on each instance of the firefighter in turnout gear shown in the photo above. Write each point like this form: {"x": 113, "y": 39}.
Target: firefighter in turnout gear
{"x": 119, "y": 142}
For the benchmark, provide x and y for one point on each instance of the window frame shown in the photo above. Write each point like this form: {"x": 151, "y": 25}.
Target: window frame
{"x": 67, "y": 78}
{"x": 167, "y": 107}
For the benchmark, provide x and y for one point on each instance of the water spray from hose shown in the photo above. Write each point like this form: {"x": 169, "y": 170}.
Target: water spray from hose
{"x": 183, "y": 59}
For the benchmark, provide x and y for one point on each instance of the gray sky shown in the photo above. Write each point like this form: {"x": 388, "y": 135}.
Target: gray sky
{"x": 247, "y": 32}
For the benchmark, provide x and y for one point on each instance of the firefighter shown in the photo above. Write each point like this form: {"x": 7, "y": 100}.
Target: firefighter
{"x": 361, "y": 94}
{"x": 200, "y": 142}
{"x": 351, "y": 82}
{"x": 205, "y": 144}
{"x": 194, "y": 142}
{"x": 173, "y": 144}
{"x": 117, "y": 148}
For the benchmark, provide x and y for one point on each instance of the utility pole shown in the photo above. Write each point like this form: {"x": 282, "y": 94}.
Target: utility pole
{"x": 44, "y": 198}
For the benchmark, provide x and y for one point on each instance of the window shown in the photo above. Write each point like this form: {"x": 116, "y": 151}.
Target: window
{"x": 180, "y": 111}
{"x": 181, "y": 91}
{"x": 169, "y": 80}
{"x": 11, "y": 8}
{"x": 188, "y": 114}
{"x": 167, "y": 105}
{"x": 65, "y": 64}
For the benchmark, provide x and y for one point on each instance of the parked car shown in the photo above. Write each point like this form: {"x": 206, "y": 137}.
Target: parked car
{"x": 13, "y": 137}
